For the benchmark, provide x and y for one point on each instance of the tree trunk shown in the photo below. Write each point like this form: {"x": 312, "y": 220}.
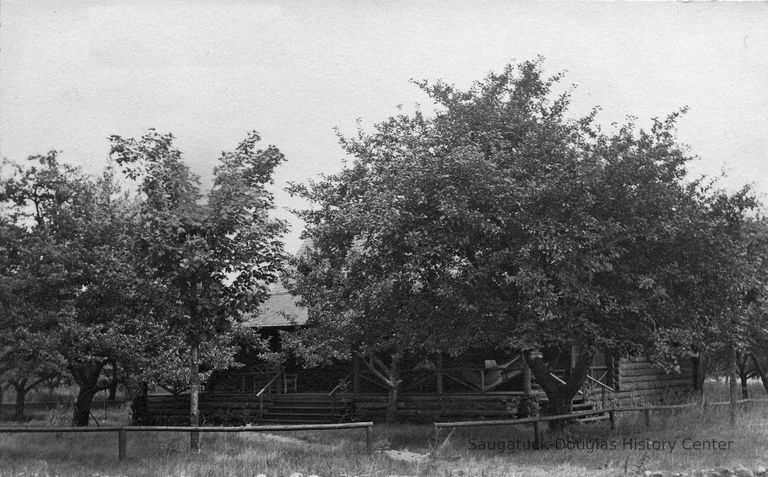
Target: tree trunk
{"x": 391, "y": 414}
{"x": 83, "y": 404}
{"x": 526, "y": 377}
{"x": 194, "y": 396}
{"x": 51, "y": 389}
{"x": 561, "y": 403}
{"x": 112, "y": 396}
{"x": 355, "y": 374}
{"x": 744, "y": 388}
{"x": 86, "y": 376}
{"x": 759, "y": 370}
{"x": 393, "y": 391}
{"x": 560, "y": 396}
{"x": 700, "y": 366}
{"x": 743, "y": 370}
{"x": 390, "y": 376}
{"x": 138, "y": 395}
{"x": 439, "y": 373}
{"x": 732, "y": 387}
{"x": 21, "y": 396}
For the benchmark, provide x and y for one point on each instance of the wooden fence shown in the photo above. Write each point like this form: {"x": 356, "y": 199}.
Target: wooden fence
{"x": 537, "y": 420}
{"x": 122, "y": 431}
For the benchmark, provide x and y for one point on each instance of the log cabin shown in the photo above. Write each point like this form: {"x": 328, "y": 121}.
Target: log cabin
{"x": 480, "y": 384}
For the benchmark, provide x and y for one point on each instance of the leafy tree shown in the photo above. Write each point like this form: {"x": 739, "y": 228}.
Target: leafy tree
{"x": 213, "y": 256}
{"x": 504, "y": 222}
{"x": 755, "y": 346}
{"x": 29, "y": 359}
{"x": 741, "y": 348}
{"x": 80, "y": 300}
{"x": 381, "y": 281}
{"x": 27, "y": 352}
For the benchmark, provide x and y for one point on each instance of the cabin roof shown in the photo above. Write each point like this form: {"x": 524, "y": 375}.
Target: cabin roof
{"x": 280, "y": 309}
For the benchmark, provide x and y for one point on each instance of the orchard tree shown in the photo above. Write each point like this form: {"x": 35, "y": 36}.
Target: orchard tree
{"x": 381, "y": 281}
{"x": 30, "y": 357}
{"x": 740, "y": 350}
{"x": 381, "y": 315}
{"x": 80, "y": 302}
{"x": 755, "y": 348}
{"x": 28, "y": 351}
{"x": 505, "y": 222}
{"x": 214, "y": 256}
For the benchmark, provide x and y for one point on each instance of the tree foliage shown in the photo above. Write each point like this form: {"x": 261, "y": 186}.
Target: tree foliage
{"x": 94, "y": 276}
{"x": 74, "y": 299}
{"x": 503, "y": 222}
{"x": 212, "y": 256}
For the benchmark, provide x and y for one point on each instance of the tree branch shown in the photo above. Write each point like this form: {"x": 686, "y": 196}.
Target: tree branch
{"x": 542, "y": 372}
{"x": 376, "y": 372}
{"x": 33, "y": 385}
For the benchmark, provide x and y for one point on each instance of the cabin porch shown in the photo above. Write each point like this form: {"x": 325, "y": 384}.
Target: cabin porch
{"x": 430, "y": 390}
{"x": 500, "y": 390}
{"x": 240, "y": 409}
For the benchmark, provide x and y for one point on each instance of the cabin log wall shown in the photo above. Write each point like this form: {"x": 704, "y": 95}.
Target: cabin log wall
{"x": 639, "y": 381}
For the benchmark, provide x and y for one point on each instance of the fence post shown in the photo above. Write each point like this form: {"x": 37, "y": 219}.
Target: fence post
{"x": 732, "y": 387}
{"x": 536, "y": 434}
{"x": 612, "y": 417}
{"x": 647, "y": 418}
{"x": 436, "y": 436}
{"x": 121, "y": 444}
{"x": 368, "y": 443}
{"x": 602, "y": 400}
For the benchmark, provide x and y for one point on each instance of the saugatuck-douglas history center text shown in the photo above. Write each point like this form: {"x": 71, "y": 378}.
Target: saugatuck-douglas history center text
{"x": 592, "y": 445}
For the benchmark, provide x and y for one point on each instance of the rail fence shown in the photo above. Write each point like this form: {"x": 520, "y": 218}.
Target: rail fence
{"x": 122, "y": 431}
{"x": 611, "y": 412}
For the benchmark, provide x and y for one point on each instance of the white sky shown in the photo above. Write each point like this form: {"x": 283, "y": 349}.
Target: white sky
{"x": 72, "y": 73}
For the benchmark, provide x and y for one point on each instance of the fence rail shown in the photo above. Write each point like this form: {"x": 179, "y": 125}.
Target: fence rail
{"x": 537, "y": 420}
{"x": 122, "y": 431}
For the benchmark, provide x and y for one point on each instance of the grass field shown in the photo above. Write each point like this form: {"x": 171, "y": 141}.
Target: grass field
{"x": 587, "y": 450}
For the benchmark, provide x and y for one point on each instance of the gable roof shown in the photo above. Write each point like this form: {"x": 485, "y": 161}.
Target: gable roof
{"x": 280, "y": 309}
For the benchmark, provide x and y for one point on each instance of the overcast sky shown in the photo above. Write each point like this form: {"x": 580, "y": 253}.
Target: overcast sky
{"x": 72, "y": 73}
